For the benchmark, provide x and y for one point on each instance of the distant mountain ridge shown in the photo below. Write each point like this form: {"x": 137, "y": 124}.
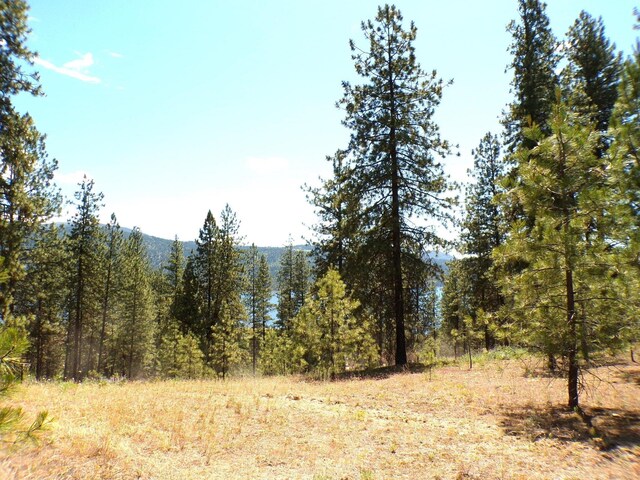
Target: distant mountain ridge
{"x": 158, "y": 250}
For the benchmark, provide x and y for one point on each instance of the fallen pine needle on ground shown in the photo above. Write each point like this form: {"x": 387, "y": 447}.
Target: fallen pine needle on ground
{"x": 496, "y": 421}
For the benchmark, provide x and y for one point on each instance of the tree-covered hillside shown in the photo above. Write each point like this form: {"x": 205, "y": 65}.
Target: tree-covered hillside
{"x": 159, "y": 249}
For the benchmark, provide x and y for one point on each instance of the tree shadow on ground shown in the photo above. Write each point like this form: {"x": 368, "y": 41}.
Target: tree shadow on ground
{"x": 610, "y": 427}
{"x": 607, "y": 428}
{"x": 630, "y": 375}
{"x": 382, "y": 372}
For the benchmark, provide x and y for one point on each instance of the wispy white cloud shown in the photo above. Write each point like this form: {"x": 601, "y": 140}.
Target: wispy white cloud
{"x": 115, "y": 54}
{"x": 78, "y": 68}
{"x": 80, "y": 64}
{"x": 266, "y": 165}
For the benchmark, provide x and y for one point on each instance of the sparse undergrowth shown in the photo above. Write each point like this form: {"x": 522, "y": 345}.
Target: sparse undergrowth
{"x": 492, "y": 422}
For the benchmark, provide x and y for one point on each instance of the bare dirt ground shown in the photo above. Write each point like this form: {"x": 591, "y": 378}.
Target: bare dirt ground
{"x": 497, "y": 421}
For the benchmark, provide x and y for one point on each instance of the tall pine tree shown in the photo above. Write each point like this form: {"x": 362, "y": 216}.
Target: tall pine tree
{"x": 137, "y": 327}
{"x": 257, "y": 299}
{"x": 41, "y": 297}
{"x": 84, "y": 279}
{"x": 112, "y": 283}
{"x": 568, "y": 298}
{"x": 534, "y": 63}
{"x": 27, "y": 195}
{"x": 593, "y": 71}
{"x": 394, "y": 149}
{"x": 483, "y": 229}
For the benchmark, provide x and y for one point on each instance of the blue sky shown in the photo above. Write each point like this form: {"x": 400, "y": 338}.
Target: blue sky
{"x": 175, "y": 108}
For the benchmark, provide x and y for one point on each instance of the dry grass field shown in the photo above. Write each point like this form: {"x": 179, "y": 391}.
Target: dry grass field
{"x": 493, "y": 422}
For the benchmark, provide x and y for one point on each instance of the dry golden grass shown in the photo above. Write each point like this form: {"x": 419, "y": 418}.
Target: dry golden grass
{"x": 489, "y": 423}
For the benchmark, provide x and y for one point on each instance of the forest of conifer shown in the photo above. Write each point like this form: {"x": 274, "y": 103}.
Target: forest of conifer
{"x": 547, "y": 257}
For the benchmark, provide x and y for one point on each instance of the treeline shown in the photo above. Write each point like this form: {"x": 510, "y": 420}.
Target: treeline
{"x": 93, "y": 307}
{"x": 549, "y": 234}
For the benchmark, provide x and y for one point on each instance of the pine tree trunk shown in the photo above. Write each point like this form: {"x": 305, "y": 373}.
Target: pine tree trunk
{"x": 39, "y": 342}
{"x": 254, "y": 347}
{"x": 331, "y": 344}
{"x": 254, "y": 313}
{"x": 134, "y": 321}
{"x": 487, "y": 339}
{"x": 552, "y": 364}
{"x": 572, "y": 349}
{"x": 398, "y": 300}
{"x": 68, "y": 353}
{"x": 105, "y": 308}
{"x": 90, "y": 358}
{"x": 76, "y": 358}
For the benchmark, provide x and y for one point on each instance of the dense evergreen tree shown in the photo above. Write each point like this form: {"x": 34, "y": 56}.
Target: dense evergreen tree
{"x": 174, "y": 272}
{"x": 594, "y": 69}
{"x": 277, "y": 355}
{"x": 326, "y": 334}
{"x": 535, "y": 59}
{"x": 14, "y": 54}
{"x": 207, "y": 272}
{"x": 112, "y": 284}
{"x": 292, "y": 290}
{"x": 455, "y": 303}
{"x": 301, "y": 278}
{"x": 227, "y": 336}
{"x": 27, "y": 196}
{"x": 625, "y": 177}
{"x": 227, "y": 333}
{"x": 293, "y": 284}
{"x": 483, "y": 222}
{"x": 178, "y": 355}
{"x": 337, "y": 231}
{"x": 40, "y": 297}
{"x": 257, "y": 300}
{"x": 568, "y": 298}
{"x": 286, "y": 288}
{"x": 625, "y": 130}
{"x": 483, "y": 229}
{"x": 136, "y": 330}
{"x": 189, "y": 301}
{"x": 214, "y": 277}
{"x": 177, "y": 352}
{"x": 393, "y": 150}
{"x": 85, "y": 286}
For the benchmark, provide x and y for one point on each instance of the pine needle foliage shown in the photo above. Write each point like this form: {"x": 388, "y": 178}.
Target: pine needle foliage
{"x": 327, "y": 336}
{"x": 393, "y": 160}
{"x": 569, "y": 298}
